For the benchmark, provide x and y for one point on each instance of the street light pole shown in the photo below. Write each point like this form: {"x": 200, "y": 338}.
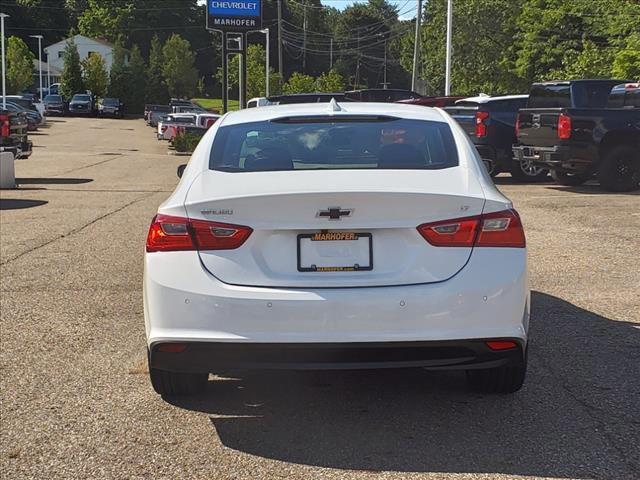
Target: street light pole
{"x": 266, "y": 68}
{"x": 39, "y": 37}
{"x": 4, "y": 72}
{"x": 447, "y": 77}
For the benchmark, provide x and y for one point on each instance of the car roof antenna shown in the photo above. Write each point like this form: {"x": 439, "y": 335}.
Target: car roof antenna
{"x": 333, "y": 106}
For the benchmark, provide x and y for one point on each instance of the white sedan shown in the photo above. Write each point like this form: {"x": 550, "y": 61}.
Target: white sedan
{"x": 322, "y": 236}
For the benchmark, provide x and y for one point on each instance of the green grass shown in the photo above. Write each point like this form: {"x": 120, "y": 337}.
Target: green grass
{"x": 215, "y": 103}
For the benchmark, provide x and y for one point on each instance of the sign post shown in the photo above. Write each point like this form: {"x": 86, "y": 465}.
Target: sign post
{"x": 234, "y": 18}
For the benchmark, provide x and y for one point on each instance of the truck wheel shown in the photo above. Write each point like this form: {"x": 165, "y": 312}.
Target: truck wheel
{"x": 506, "y": 379}
{"x": 491, "y": 165}
{"x": 620, "y": 169}
{"x": 527, "y": 171}
{"x": 563, "y": 177}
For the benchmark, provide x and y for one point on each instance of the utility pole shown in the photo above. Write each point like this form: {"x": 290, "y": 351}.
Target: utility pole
{"x": 447, "y": 77}
{"x": 48, "y": 74}
{"x": 39, "y": 37}
{"x": 384, "y": 84}
{"x": 357, "y": 77}
{"x": 280, "y": 38}
{"x": 416, "y": 47}
{"x": 330, "y": 53}
{"x": 4, "y": 73}
{"x": 304, "y": 38}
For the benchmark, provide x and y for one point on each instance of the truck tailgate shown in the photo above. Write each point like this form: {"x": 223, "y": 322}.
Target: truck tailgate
{"x": 538, "y": 126}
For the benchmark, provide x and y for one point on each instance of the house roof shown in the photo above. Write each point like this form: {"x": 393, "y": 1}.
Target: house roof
{"x": 55, "y": 71}
{"x": 78, "y": 39}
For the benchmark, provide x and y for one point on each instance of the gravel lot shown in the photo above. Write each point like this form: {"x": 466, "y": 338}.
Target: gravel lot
{"x": 76, "y": 400}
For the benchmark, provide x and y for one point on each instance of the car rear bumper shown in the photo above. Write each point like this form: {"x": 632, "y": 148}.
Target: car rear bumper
{"x": 212, "y": 356}
{"x": 487, "y": 299}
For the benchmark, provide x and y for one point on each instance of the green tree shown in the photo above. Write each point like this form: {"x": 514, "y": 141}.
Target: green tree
{"x": 120, "y": 75}
{"x": 156, "y": 91}
{"x": 626, "y": 63}
{"x": 180, "y": 74}
{"x": 71, "y": 78}
{"x": 94, "y": 74}
{"x": 106, "y": 18}
{"x": 330, "y": 82}
{"x": 590, "y": 62}
{"x": 299, "y": 83}
{"x": 19, "y": 62}
{"x": 134, "y": 99}
{"x": 255, "y": 72}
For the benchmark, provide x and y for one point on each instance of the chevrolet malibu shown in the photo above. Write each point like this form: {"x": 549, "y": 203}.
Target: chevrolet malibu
{"x": 327, "y": 236}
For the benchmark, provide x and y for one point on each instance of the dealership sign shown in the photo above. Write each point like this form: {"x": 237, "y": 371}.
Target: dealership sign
{"x": 234, "y": 15}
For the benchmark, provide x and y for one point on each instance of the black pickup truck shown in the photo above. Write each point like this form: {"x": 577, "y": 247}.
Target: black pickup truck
{"x": 581, "y": 128}
{"x": 13, "y": 133}
{"x": 490, "y": 122}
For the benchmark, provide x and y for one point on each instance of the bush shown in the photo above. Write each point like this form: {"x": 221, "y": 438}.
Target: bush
{"x": 186, "y": 142}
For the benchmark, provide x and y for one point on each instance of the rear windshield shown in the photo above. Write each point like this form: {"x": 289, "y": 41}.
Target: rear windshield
{"x": 111, "y": 101}
{"x": 53, "y": 98}
{"x": 318, "y": 144}
{"x": 82, "y": 98}
{"x": 550, "y": 96}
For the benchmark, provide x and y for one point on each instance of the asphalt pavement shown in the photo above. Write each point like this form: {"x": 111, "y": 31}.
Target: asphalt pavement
{"x": 76, "y": 402}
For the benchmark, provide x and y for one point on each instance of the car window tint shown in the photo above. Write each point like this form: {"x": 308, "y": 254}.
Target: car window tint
{"x": 355, "y": 144}
{"x": 550, "y": 96}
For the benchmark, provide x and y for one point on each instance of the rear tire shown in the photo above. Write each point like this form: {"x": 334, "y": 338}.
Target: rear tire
{"x": 563, "y": 177}
{"x": 506, "y": 379}
{"x": 525, "y": 171}
{"x": 168, "y": 383}
{"x": 620, "y": 169}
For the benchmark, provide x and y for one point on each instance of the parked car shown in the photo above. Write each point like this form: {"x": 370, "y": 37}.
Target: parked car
{"x": 381, "y": 95}
{"x": 191, "y": 108}
{"x": 13, "y": 133}
{"x": 111, "y": 107}
{"x": 285, "y": 264}
{"x": 54, "y": 105}
{"x": 439, "y": 102}
{"x": 28, "y": 101}
{"x": 168, "y": 126}
{"x": 82, "y": 104}
{"x": 490, "y": 123}
{"x": 34, "y": 119}
{"x": 258, "y": 102}
{"x": 582, "y": 128}
{"x": 206, "y": 120}
{"x": 156, "y": 113}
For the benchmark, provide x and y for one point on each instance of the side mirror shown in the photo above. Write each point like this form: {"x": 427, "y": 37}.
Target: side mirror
{"x": 180, "y": 170}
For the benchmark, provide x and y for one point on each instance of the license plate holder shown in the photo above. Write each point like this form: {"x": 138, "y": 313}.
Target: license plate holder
{"x": 335, "y": 252}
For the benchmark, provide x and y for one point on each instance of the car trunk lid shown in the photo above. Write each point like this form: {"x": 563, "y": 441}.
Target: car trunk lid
{"x": 291, "y": 214}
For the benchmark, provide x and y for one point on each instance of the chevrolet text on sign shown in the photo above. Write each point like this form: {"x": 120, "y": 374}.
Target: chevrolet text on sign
{"x": 234, "y": 15}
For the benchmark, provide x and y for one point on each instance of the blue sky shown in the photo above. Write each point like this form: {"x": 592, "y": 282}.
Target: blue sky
{"x": 406, "y": 8}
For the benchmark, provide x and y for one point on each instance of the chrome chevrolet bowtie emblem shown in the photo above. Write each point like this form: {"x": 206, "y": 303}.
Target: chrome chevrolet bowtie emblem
{"x": 334, "y": 213}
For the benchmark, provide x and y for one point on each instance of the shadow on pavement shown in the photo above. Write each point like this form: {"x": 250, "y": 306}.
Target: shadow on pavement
{"x": 576, "y": 416}
{"x": 52, "y": 181}
{"x": 509, "y": 180}
{"x": 15, "y": 204}
{"x": 593, "y": 189}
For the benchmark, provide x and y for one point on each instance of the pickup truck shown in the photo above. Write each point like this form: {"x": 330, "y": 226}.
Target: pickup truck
{"x": 13, "y": 134}
{"x": 581, "y": 128}
{"x": 491, "y": 122}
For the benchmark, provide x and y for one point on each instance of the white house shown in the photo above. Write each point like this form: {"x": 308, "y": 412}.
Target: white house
{"x": 86, "y": 47}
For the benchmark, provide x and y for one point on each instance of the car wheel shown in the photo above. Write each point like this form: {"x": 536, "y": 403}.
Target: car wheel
{"x": 505, "y": 379}
{"x": 177, "y": 383}
{"x": 620, "y": 169}
{"x": 569, "y": 179}
{"x": 527, "y": 171}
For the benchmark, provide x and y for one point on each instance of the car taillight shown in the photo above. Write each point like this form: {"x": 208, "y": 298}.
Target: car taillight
{"x": 168, "y": 233}
{"x": 481, "y": 127}
{"x": 498, "y": 229}
{"x": 517, "y": 125}
{"x": 564, "y": 126}
{"x": 5, "y": 127}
